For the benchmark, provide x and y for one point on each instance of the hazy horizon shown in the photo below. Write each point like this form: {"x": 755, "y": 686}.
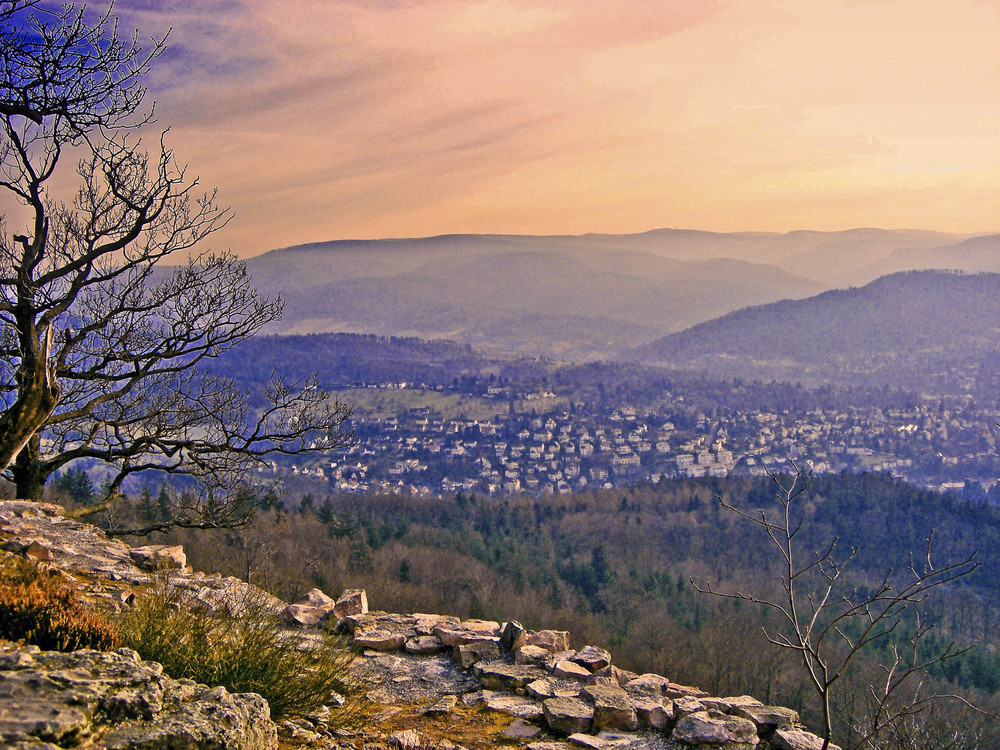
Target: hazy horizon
{"x": 362, "y": 119}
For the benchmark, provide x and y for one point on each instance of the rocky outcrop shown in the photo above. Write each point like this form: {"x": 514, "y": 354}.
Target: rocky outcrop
{"x": 115, "y": 700}
{"x": 539, "y": 688}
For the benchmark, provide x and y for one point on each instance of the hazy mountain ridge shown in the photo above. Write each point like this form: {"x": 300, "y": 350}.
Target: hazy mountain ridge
{"x": 582, "y": 297}
{"x": 886, "y": 330}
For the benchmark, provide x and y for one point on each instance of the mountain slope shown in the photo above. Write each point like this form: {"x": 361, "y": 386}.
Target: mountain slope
{"x": 887, "y": 332}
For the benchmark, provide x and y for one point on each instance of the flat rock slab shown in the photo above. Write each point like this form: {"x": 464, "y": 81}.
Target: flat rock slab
{"x": 798, "y": 739}
{"x": 515, "y": 705}
{"x": 768, "y": 718}
{"x": 568, "y": 715}
{"x": 115, "y": 700}
{"x": 715, "y": 728}
{"x": 498, "y": 676}
{"x": 427, "y": 678}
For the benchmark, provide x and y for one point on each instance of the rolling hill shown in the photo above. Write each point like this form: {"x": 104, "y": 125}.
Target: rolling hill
{"x": 577, "y": 297}
{"x": 904, "y": 329}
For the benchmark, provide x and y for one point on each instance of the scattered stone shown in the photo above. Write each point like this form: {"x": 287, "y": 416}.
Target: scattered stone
{"x": 531, "y": 655}
{"x": 351, "y": 603}
{"x": 655, "y": 713}
{"x": 551, "y": 640}
{"x": 688, "y": 705}
{"x": 379, "y": 640}
{"x": 549, "y": 746}
{"x": 798, "y": 739}
{"x": 515, "y": 705}
{"x": 408, "y": 739}
{"x": 472, "y": 653}
{"x": 568, "y": 715}
{"x": 593, "y": 658}
{"x": 521, "y": 730}
{"x": 715, "y": 728}
{"x": 442, "y": 707}
{"x": 477, "y": 698}
{"x": 423, "y": 644}
{"x": 38, "y": 551}
{"x": 568, "y": 668}
{"x": 498, "y": 676}
{"x": 647, "y": 684}
{"x": 612, "y": 709}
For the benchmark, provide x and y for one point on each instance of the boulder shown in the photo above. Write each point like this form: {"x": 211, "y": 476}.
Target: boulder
{"x": 568, "y": 715}
{"x": 352, "y": 602}
{"x": 655, "y": 713}
{"x": 551, "y": 640}
{"x": 498, "y": 676}
{"x": 648, "y": 684}
{"x": 472, "y": 653}
{"x": 612, "y": 708}
{"x": 566, "y": 668}
{"x": 513, "y": 636}
{"x": 407, "y": 739}
{"x": 379, "y": 640}
{"x": 715, "y": 728}
{"x": 530, "y": 655}
{"x": 443, "y": 706}
{"x": 593, "y": 658}
{"x": 768, "y": 718}
{"x": 159, "y": 557}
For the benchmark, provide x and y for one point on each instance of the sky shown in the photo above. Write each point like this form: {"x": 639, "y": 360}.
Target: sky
{"x": 334, "y": 119}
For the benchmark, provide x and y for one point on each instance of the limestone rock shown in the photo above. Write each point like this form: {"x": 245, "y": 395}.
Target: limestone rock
{"x": 498, "y": 676}
{"x": 715, "y": 728}
{"x": 612, "y": 709}
{"x": 567, "y": 668}
{"x": 408, "y": 739}
{"x": 768, "y": 718}
{"x": 568, "y": 715}
{"x": 423, "y": 644}
{"x": 515, "y": 705}
{"x": 159, "y": 557}
{"x": 115, "y": 700}
{"x": 444, "y": 706}
{"x": 521, "y": 730}
{"x": 551, "y": 640}
{"x": 351, "y": 602}
{"x": 513, "y": 636}
{"x": 593, "y": 658}
{"x": 530, "y": 655}
{"x": 648, "y": 684}
{"x": 472, "y": 653}
{"x": 798, "y": 739}
{"x": 655, "y": 713}
{"x": 379, "y": 640}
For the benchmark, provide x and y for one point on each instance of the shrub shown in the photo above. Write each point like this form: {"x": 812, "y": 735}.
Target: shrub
{"x": 245, "y": 650}
{"x": 35, "y": 607}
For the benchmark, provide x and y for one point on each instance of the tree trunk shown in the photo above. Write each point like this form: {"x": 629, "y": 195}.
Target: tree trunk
{"x": 27, "y": 472}
{"x": 37, "y": 397}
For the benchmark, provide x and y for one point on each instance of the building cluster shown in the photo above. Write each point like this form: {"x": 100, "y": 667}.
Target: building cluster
{"x": 427, "y": 453}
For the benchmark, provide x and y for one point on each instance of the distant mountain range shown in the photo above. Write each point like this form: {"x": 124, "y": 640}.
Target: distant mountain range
{"x": 906, "y": 329}
{"x": 582, "y": 297}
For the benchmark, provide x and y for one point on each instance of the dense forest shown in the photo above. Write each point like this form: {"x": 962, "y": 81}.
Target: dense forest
{"x": 615, "y": 567}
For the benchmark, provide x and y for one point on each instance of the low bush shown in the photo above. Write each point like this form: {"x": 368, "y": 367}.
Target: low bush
{"x": 37, "y": 608}
{"x": 246, "y": 649}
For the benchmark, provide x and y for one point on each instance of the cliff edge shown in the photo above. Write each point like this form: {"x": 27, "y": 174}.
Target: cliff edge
{"x": 423, "y": 681}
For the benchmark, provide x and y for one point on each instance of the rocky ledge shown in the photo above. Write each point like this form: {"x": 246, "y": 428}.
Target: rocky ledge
{"x": 428, "y": 681}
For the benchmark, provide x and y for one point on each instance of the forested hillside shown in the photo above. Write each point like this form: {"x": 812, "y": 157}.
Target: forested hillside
{"x": 614, "y": 567}
{"x": 930, "y": 331}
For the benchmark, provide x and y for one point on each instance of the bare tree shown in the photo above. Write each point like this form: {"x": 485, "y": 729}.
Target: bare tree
{"x": 102, "y": 343}
{"x": 829, "y": 622}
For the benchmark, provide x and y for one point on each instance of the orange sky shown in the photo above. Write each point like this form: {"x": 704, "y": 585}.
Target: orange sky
{"x": 327, "y": 119}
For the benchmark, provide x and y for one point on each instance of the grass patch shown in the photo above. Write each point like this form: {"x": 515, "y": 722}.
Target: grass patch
{"x": 247, "y": 650}
{"x": 36, "y": 607}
